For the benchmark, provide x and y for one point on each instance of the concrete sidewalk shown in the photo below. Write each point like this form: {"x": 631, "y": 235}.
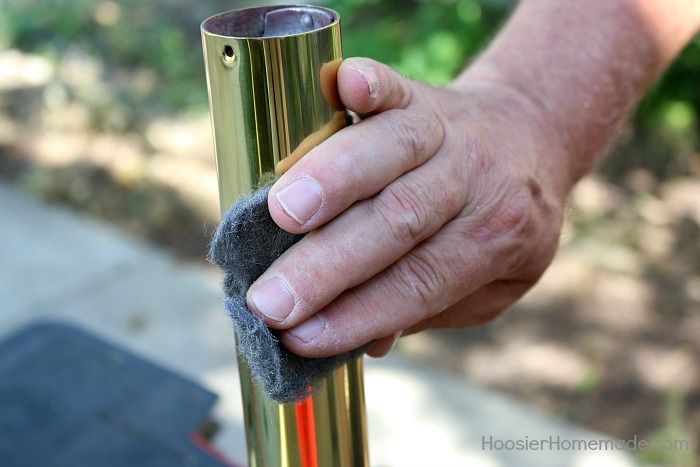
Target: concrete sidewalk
{"x": 58, "y": 265}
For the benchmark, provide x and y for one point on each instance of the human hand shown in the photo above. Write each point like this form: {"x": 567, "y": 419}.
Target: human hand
{"x": 439, "y": 209}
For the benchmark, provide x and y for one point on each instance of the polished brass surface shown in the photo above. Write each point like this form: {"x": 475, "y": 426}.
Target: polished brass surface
{"x": 272, "y": 96}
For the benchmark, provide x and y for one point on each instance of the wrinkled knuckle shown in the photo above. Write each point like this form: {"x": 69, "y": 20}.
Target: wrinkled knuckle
{"x": 431, "y": 132}
{"x": 421, "y": 278}
{"x": 403, "y": 212}
{"x": 512, "y": 215}
{"x": 414, "y": 132}
{"x": 435, "y": 126}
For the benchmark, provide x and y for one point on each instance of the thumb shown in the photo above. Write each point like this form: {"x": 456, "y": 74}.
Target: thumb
{"x": 368, "y": 87}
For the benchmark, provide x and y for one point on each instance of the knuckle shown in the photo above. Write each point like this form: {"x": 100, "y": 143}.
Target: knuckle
{"x": 511, "y": 224}
{"x": 512, "y": 214}
{"x": 420, "y": 276}
{"x": 419, "y": 134}
{"x": 506, "y": 199}
{"x": 403, "y": 212}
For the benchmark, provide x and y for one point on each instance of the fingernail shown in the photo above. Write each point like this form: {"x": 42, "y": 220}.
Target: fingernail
{"x": 272, "y": 299}
{"x": 301, "y": 199}
{"x": 370, "y": 76}
{"x": 309, "y": 329}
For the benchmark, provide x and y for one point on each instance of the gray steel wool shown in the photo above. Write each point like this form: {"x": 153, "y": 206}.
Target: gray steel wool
{"x": 244, "y": 245}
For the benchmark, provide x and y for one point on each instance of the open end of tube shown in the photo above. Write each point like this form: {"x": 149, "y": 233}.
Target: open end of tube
{"x": 270, "y": 21}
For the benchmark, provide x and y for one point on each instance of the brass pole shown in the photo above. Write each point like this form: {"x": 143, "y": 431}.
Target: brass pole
{"x": 271, "y": 75}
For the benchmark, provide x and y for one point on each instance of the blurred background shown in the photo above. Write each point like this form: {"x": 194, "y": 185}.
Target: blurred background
{"x": 103, "y": 109}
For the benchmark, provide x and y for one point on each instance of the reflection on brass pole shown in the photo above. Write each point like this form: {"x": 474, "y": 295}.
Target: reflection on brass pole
{"x": 271, "y": 75}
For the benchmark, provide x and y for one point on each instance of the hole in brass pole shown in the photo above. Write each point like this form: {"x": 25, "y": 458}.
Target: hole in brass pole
{"x": 228, "y": 56}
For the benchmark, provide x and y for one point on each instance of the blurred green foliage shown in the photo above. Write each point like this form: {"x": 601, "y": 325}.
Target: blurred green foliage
{"x": 667, "y": 121}
{"x": 124, "y": 37}
{"x": 429, "y": 41}
{"x": 426, "y": 40}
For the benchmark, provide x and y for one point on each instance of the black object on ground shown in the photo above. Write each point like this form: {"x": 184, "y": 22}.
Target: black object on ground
{"x": 68, "y": 398}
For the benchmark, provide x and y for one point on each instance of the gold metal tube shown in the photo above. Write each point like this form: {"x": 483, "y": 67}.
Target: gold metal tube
{"x": 271, "y": 74}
